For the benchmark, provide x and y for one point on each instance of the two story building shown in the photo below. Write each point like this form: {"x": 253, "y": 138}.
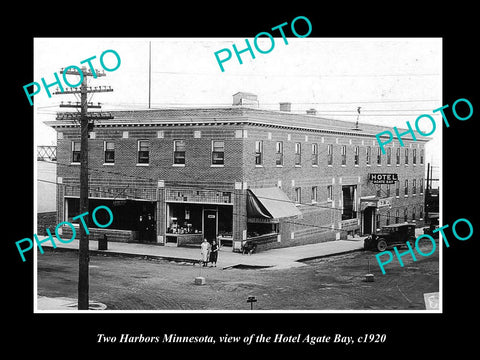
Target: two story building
{"x": 176, "y": 176}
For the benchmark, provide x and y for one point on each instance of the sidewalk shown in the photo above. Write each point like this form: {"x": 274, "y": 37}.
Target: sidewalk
{"x": 273, "y": 259}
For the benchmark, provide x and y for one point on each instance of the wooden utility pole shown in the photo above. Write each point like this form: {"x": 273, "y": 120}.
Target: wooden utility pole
{"x": 85, "y": 127}
{"x": 149, "y": 72}
{"x": 83, "y": 249}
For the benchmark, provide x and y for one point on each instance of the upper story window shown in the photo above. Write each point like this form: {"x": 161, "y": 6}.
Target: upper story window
{"x": 389, "y": 156}
{"x": 398, "y": 156}
{"x": 344, "y": 155}
{"x": 258, "y": 152}
{"x": 329, "y": 154}
{"x": 298, "y": 154}
{"x": 406, "y": 156}
{"x": 218, "y": 152}
{"x": 329, "y": 193}
{"x": 369, "y": 155}
{"x": 279, "y": 153}
{"x": 357, "y": 155}
{"x": 298, "y": 195}
{"x": 179, "y": 152}
{"x": 314, "y": 154}
{"x": 414, "y": 156}
{"x": 314, "y": 194}
{"x": 75, "y": 151}
{"x": 379, "y": 156}
{"x": 143, "y": 152}
{"x": 109, "y": 150}
{"x": 421, "y": 156}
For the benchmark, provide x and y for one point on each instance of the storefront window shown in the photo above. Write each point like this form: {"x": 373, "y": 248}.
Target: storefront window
{"x": 184, "y": 219}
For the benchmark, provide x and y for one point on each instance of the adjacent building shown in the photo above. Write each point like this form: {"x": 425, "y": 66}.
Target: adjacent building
{"x": 176, "y": 176}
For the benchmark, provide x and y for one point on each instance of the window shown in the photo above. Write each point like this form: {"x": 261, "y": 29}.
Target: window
{"x": 314, "y": 194}
{"x": 349, "y": 201}
{"x": 414, "y": 187}
{"x": 413, "y": 213}
{"x": 406, "y": 156}
{"x": 357, "y": 155}
{"x": 329, "y": 193}
{"x": 298, "y": 154}
{"x": 344, "y": 155}
{"x": 397, "y": 216}
{"x": 398, "y": 156}
{"x": 421, "y": 186}
{"x": 279, "y": 153}
{"x": 369, "y": 155}
{"x": 397, "y": 189}
{"x": 314, "y": 154}
{"x": 414, "y": 156}
{"x": 406, "y": 187}
{"x": 405, "y": 215}
{"x": 298, "y": 195}
{"x": 421, "y": 156}
{"x": 389, "y": 156}
{"x": 218, "y": 152}
{"x": 75, "y": 151}
{"x": 388, "y": 218}
{"x": 143, "y": 152}
{"x": 179, "y": 152}
{"x": 330, "y": 154}
{"x": 388, "y": 190}
{"x": 109, "y": 150}
{"x": 258, "y": 152}
{"x": 379, "y": 156}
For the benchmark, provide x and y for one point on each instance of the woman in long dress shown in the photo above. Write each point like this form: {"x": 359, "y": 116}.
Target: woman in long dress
{"x": 205, "y": 251}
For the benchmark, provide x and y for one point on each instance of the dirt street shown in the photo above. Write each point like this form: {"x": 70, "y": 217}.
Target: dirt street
{"x": 331, "y": 283}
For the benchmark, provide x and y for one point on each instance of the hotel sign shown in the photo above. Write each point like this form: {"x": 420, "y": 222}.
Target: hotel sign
{"x": 383, "y": 178}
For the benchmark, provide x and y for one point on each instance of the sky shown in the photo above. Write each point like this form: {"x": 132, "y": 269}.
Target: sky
{"x": 392, "y": 80}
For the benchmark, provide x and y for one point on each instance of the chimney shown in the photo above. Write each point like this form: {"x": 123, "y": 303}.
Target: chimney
{"x": 245, "y": 99}
{"x": 311, "y": 112}
{"x": 285, "y": 106}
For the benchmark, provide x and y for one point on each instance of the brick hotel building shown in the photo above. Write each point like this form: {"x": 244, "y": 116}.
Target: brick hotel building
{"x": 176, "y": 176}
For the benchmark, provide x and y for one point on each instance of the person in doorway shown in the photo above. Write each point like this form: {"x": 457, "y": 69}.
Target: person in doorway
{"x": 205, "y": 251}
{"x": 214, "y": 253}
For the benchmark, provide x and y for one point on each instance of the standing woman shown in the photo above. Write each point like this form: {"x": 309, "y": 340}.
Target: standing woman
{"x": 214, "y": 253}
{"x": 205, "y": 251}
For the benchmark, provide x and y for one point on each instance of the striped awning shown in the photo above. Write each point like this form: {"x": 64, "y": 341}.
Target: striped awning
{"x": 270, "y": 203}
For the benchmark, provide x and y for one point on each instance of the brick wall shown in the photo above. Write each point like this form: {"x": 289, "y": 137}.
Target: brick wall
{"x": 142, "y": 181}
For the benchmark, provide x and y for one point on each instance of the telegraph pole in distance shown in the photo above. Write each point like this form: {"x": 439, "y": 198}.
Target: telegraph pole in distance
{"x": 85, "y": 127}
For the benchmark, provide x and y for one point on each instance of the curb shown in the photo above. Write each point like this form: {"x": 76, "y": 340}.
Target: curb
{"x": 328, "y": 255}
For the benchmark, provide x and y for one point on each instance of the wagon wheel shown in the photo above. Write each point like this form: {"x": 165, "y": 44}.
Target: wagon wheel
{"x": 381, "y": 245}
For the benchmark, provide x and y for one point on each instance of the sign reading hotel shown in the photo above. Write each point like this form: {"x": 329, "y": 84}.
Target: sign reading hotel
{"x": 383, "y": 178}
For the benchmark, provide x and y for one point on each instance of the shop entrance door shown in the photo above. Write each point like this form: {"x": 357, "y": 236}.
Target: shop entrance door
{"x": 368, "y": 220}
{"x": 210, "y": 224}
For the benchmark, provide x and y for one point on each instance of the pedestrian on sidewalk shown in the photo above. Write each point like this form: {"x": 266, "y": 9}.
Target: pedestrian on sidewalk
{"x": 214, "y": 253}
{"x": 205, "y": 251}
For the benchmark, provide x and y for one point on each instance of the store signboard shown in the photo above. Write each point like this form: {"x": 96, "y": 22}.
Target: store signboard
{"x": 378, "y": 178}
